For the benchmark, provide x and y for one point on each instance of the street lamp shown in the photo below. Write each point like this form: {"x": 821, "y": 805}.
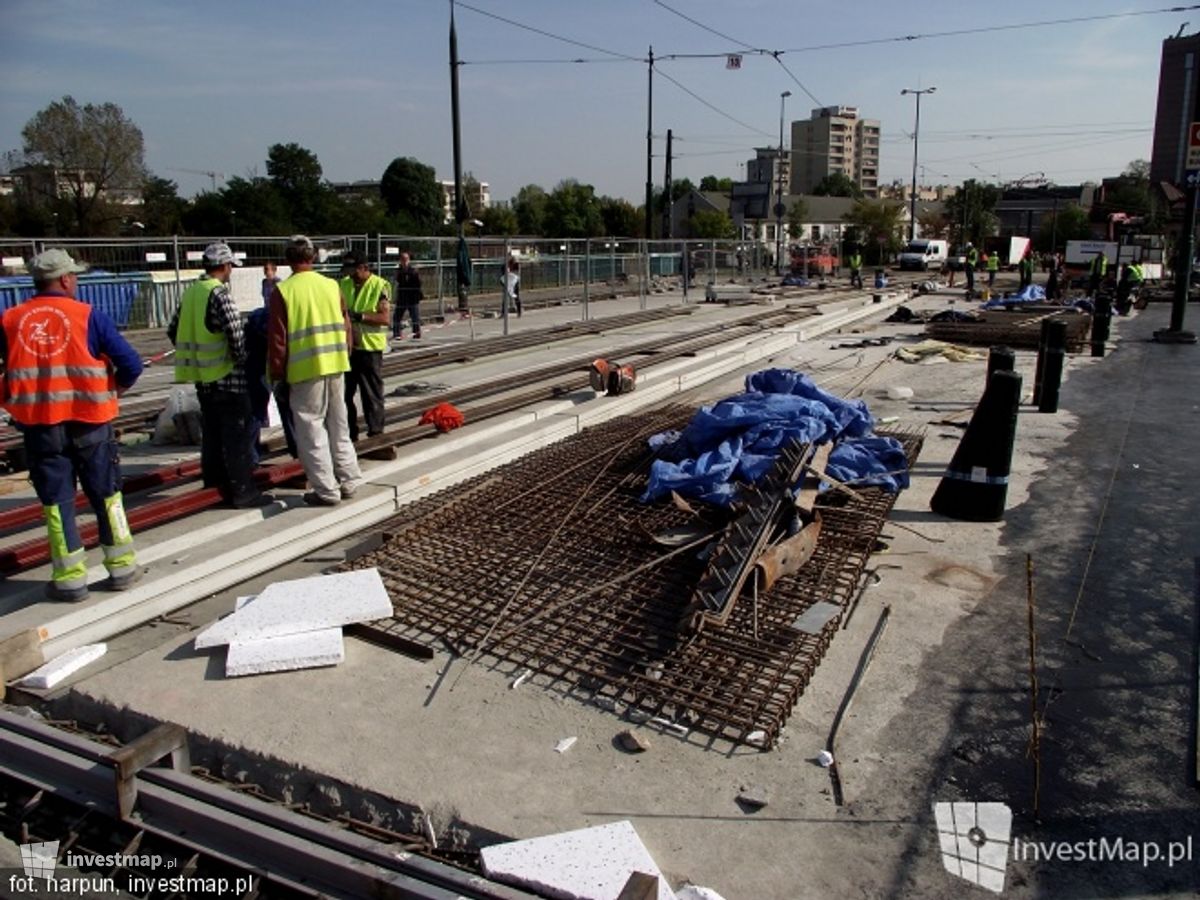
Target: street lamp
{"x": 779, "y": 207}
{"x": 912, "y": 208}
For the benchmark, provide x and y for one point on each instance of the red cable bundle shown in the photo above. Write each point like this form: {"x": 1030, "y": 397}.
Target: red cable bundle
{"x": 444, "y": 417}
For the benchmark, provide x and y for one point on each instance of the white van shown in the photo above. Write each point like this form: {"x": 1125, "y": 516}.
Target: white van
{"x": 924, "y": 255}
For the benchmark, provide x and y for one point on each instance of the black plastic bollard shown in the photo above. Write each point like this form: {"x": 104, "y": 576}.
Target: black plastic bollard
{"x": 1000, "y": 359}
{"x": 1101, "y": 320}
{"x": 1039, "y": 371}
{"x": 974, "y": 487}
{"x": 1056, "y": 354}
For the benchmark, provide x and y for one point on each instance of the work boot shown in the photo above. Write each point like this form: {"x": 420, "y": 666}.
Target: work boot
{"x": 254, "y": 501}
{"x": 124, "y": 578}
{"x": 312, "y": 498}
{"x": 65, "y": 595}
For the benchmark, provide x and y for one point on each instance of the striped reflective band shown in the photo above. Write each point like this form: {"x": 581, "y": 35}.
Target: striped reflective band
{"x": 295, "y": 336}
{"x": 301, "y": 355}
{"x": 977, "y": 475}
{"x": 58, "y": 372}
{"x": 211, "y": 346}
{"x": 60, "y": 397}
{"x": 188, "y": 359}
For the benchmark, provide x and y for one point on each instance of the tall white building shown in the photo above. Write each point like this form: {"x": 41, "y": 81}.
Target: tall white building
{"x": 835, "y": 139}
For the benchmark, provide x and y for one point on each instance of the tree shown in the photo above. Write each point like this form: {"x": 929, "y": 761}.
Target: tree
{"x": 970, "y": 211}
{"x": 878, "y": 223}
{"x": 1069, "y": 223}
{"x": 473, "y": 196}
{"x": 713, "y": 224}
{"x": 162, "y": 207}
{"x": 837, "y": 184}
{"x": 797, "y": 218}
{"x": 499, "y": 220}
{"x": 713, "y": 183}
{"x": 1138, "y": 170}
{"x": 296, "y": 174}
{"x": 621, "y": 218}
{"x": 572, "y": 210}
{"x": 530, "y": 207}
{"x": 412, "y": 194}
{"x": 89, "y": 152}
{"x": 933, "y": 224}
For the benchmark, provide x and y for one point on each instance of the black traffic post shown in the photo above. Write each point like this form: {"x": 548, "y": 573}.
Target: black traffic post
{"x": 1039, "y": 371}
{"x": 1001, "y": 359}
{"x": 1055, "y": 353}
{"x": 1102, "y": 317}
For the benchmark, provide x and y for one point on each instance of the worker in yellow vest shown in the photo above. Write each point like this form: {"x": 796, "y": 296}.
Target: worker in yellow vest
{"x": 856, "y": 269}
{"x": 210, "y": 352}
{"x": 308, "y": 340}
{"x": 993, "y": 266}
{"x": 1097, "y": 271}
{"x": 365, "y": 295}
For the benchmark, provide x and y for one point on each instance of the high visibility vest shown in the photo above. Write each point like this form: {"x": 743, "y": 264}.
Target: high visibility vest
{"x": 1027, "y": 266}
{"x": 972, "y": 257}
{"x": 50, "y": 375}
{"x": 366, "y": 300}
{"x": 1135, "y": 272}
{"x": 856, "y": 261}
{"x": 200, "y": 355}
{"x": 993, "y": 262}
{"x": 316, "y": 330}
{"x": 1100, "y": 265}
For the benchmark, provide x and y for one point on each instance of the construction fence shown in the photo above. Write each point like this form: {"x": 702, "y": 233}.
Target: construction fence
{"x": 138, "y": 281}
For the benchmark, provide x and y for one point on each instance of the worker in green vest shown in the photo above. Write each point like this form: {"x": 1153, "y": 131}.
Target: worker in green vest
{"x": 972, "y": 260}
{"x": 856, "y": 269}
{"x": 210, "y": 352}
{"x": 1097, "y": 271}
{"x": 365, "y": 295}
{"x": 1130, "y": 280}
{"x": 993, "y": 266}
{"x": 1025, "y": 267}
{"x": 308, "y": 339}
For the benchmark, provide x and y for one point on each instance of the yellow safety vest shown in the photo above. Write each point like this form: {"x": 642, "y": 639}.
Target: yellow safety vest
{"x": 200, "y": 355}
{"x": 366, "y": 300}
{"x": 993, "y": 262}
{"x": 1100, "y": 265}
{"x": 316, "y": 329}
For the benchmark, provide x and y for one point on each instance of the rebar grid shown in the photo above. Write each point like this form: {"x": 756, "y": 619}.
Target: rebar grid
{"x": 453, "y": 562}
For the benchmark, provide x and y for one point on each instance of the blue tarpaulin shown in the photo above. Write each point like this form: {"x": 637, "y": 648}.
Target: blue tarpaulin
{"x": 1032, "y": 293}
{"x": 737, "y": 440}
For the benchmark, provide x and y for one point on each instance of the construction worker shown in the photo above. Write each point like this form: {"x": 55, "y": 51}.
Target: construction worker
{"x": 1130, "y": 280}
{"x": 366, "y": 296}
{"x": 210, "y": 352}
{"x": 308, "y": 339}
{"x": 993, "y": 266}
{"x": 1097, "y": 271}
{"x": 65, "y": 364}
{"x": 972, "y": 261}
{"x": 1025, "y": 267}
{"x": 856, "y": 269}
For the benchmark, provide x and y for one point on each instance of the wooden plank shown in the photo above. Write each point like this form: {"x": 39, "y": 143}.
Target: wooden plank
{"x": 20, "y": 654}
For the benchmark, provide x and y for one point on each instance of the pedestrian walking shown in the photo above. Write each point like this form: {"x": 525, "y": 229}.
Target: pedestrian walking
{"x": 64, "y": 366}
{"x": 308, "y": 339}
{"x": 408, "y": 298}
{"x": 1054, "y": 281}
{"x": 992, "y": 263}
{"x": 1025, "y": 268}
{"x": 511, "y": 279}
{"x": 210, "y": 352}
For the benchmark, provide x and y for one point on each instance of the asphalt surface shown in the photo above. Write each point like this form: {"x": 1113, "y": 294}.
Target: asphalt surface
{"x": 1111, "y": 528}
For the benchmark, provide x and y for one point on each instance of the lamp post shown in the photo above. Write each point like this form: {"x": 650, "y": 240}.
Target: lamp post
{"x": 779, "y": 207}
{"x": 912, "y": 208}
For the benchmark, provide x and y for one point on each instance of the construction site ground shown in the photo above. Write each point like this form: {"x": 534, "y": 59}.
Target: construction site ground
{"x": 1102, "y": 500}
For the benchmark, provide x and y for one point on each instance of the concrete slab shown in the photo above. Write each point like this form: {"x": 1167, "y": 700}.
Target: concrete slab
{"x": 303, "y": 605}
{"x": 586, "y": 864}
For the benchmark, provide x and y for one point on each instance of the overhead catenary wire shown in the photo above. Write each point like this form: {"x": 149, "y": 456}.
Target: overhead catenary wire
{"x": 712, "y": 106}
{"x": 549, "y": 34}
{"x": 704, "y": 27}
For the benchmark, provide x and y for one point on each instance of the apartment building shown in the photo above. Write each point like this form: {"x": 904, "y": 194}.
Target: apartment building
{"x": 835, "y": 140}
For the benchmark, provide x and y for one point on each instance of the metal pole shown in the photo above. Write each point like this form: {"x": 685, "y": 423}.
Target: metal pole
{"x": 441, "y": 298}
{"x": 587, "y": 279}
{"x": 912, "y": 201}
{"x": 779, "y": 202}
{"x": 460, "y": 207}
{"x": 644, "y": 275}
{"x": 650, "y": 144}
{"x": 505, "y": 291}
{"x": 668, "y": 194}
{"x": 683, "y": 261}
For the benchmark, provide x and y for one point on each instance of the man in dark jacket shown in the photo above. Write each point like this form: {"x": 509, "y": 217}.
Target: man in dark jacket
{"x": 408, "y": 298}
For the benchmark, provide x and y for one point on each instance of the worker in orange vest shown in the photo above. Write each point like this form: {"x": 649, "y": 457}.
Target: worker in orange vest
{"x": 65, "y": 363}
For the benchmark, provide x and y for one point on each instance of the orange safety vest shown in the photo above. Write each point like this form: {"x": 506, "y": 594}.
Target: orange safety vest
{"x": 50, "y": 375}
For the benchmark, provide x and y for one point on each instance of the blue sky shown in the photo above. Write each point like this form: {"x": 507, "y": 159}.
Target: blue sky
{"x": 212, "y": 85}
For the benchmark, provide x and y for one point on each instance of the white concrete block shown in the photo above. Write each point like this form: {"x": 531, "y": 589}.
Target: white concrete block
{"x": 305, "y": 604}
{"x": 588, "y": 864}
{"x": 63, "y": 666}
{"x": 308, "y": 650}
